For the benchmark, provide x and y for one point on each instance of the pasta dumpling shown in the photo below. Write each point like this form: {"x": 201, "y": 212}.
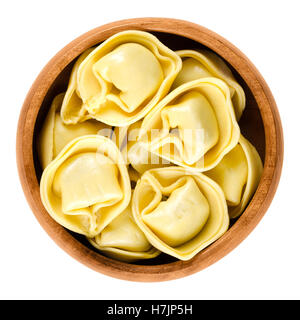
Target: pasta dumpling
{"x": 180, "y": 212}
{"x": 124, "y": 77}
{"x": 143, "y": 153}
{"x": 238, "y": 174}
{"x": 55, "y": 134}
{"x": 194, "y": 126}
{"x": 202, "y": 64}
{"x": 123, "y": 240}
{"x": 87, "y": 185}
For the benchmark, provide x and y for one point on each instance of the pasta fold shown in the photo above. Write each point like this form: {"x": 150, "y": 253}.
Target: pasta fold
{"x": 73, "y": 109}
{"x": 123, "y": 240}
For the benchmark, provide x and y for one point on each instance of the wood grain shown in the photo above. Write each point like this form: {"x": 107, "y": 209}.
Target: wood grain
{"x": 260, "y": 123}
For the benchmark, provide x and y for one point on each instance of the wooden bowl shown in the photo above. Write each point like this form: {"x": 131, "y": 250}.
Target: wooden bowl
{"x": 260, "y": 124}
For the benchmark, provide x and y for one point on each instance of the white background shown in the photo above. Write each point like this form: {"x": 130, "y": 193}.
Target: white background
{"x": 265, "y": 266}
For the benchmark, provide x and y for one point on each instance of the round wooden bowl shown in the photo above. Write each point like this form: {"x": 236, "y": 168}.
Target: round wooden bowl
{"x": 260, "y": 123}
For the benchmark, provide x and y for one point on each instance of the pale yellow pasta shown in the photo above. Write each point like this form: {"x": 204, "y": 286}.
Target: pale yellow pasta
{"x": 194, "y": 126}
{"x": 55, "y": 134}
{"x": 73, "y": 109}
{"x": 123, "y": 78}
{"x": 143, "y": 154}
{"x": 180, "y": 212}
{"x": 238, "y": 174}
{"x": 136, "y": 155}
{"x": 202, "y": 63}
{"x": 142, "y": 160}
{"x": 123, "y": 240}
{"x": 87, "y": 185}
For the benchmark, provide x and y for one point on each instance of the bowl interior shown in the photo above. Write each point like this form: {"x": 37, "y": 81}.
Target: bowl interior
{"x": 251, "y": 123}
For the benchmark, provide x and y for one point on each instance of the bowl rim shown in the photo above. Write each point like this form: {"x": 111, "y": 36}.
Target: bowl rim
{"x": 236, "y": 233}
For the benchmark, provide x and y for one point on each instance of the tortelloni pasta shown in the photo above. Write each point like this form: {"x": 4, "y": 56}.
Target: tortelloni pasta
{"x": 202, "y": 64}
{"x": 180, "y": 212}
{"x": 238, "y": 174}
{"x": 124, "y": 77}
{"x": 123, "y": 240}
{"x": 87, "y": 185}
{"x": 55, "y": 134}
{"x": 194, "y": 126}
{"x": 143, "y": 153}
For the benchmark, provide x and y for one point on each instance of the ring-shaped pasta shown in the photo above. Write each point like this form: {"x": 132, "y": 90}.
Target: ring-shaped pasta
{"x": 123, "y": 78}
{"x": 180, "y": 212}
{"x": 87, "y": 185}
{"x": 194, "y": 126}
